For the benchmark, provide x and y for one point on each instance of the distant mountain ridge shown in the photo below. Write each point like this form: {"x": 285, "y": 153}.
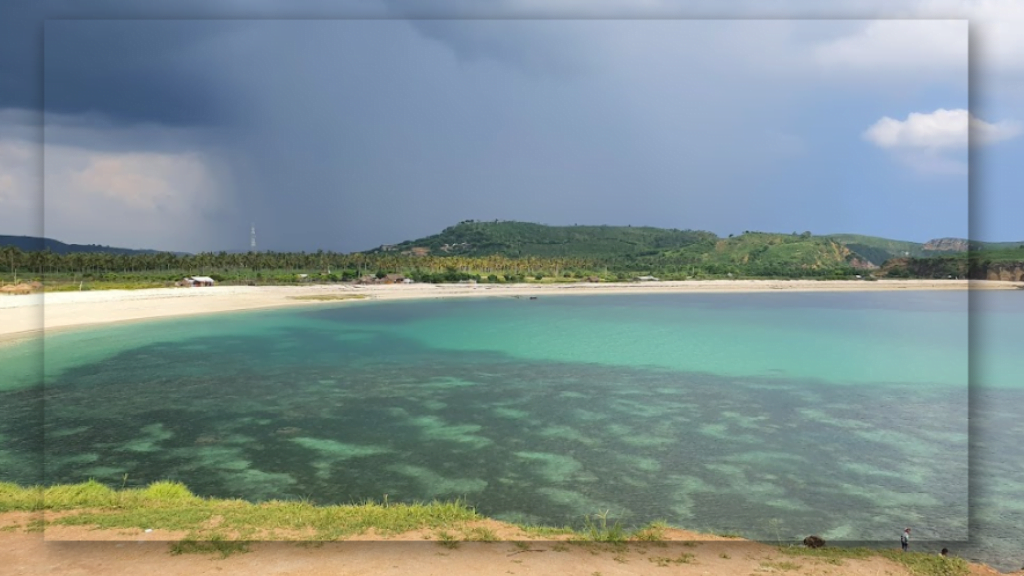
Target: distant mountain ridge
{"x": 878, "y": 250}
{"x": 498, "y": 251}
{"x": 523, "y": 239}
{"x": 472, "y": 238}
{"x": 38, "y": 244}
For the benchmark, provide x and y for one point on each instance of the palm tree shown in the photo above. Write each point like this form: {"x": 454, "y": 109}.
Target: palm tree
{"x": 12, "y": 255}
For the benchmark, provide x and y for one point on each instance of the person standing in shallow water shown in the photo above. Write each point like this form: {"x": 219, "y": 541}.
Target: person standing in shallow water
{"x": 905, "y": 539}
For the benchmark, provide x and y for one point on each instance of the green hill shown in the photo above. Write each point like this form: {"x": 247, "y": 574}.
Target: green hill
{"x": 521, "y": 239}
{"x": 877, "y": 250}
{"x": 638, "y": 248}
{"x": 766, "y": 253}
{"x": 1000, "y": 255}
{"x": 518, "y": 251}
{"x": 37, "y": 244}
{"x": 682, "y": 247}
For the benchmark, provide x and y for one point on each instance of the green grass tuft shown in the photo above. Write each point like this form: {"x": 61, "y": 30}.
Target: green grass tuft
{"x": 918, "y": 563}
{"x": 653, "y": 532}
{"x": 171, "y": 506}
{"x": 546, "y": 531}
{"x": 14, "y": 497}
{"x": 215, "y": 544}
{"x": 481, "y": 534}
{"x": 928, "y": 564}
{"x": 829, "y": 552}
{"x": 663, "y": 561}
{"x": 91, "y": 494}
{"x": 447, "y": 539}
{"x": 168, "y": 493}
{"x": 596, "y": 529}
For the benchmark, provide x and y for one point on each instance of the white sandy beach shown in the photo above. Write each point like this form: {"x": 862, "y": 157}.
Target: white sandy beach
{"x": 22, "y": 316}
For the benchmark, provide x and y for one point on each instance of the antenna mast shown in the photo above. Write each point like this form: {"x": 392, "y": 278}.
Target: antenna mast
{"x": 252, "y": 237}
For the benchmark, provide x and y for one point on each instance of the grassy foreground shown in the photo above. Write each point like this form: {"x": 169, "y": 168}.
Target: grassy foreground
{"x": 171, "y": 506}
{"x": 226, "y": 526}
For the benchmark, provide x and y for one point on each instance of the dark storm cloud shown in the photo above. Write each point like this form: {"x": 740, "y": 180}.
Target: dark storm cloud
{"x": 148, "y": 71}
{"x": 22, "y": 25}
{"x": 365, "y": 132}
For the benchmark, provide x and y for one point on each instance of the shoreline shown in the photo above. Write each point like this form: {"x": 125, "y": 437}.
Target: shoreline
{"x": 25, "y": 317}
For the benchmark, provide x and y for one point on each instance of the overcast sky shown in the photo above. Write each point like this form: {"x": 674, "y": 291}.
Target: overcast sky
{"x": 344, "y": 134}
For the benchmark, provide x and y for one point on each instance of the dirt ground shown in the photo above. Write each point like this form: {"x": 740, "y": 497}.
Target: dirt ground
{"x": 29, "y": 555}
{"x": 78, "y": 551}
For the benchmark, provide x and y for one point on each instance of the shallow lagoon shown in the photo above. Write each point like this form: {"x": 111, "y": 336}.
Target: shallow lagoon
{"x": 838, "y": 414}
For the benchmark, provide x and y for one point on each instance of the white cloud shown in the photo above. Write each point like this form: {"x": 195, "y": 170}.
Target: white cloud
{"x": 132, "y": 186}
{"x": 131, "y": 199}
{"x": 136, "y": 186}
{"x": 145, "y": 182}
{"x": 935, "y": 143}
{"x": 939, "y": 130}
{"x": 881, "y": 46}
{"x": 998, "y": 23}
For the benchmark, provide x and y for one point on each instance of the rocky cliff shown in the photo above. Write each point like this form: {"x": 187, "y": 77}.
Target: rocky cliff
{"x": 862, "y": 264}
{"x": 947, "y": 245}
{"x": 1008, "y": 272}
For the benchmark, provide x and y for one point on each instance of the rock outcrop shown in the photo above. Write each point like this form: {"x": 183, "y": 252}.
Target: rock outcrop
{"x": 861, "y": 264}
{"x": 947, "y": 245}
{"x": 814, "y": 542}
{"x": 1012, "y": 272}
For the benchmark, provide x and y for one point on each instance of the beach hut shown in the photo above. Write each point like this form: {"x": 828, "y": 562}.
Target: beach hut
{"x": 195, "y": 281}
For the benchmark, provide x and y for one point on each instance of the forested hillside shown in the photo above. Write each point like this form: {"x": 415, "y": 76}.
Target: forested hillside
{"x": 514, "y": 239}
{"x": 518, "y": 252}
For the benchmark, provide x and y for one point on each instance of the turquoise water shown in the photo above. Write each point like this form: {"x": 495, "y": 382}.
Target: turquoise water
{"x": 766, "y": 415}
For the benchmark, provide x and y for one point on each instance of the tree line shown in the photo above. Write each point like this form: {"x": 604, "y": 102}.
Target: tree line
{"x": 334, "y": 266}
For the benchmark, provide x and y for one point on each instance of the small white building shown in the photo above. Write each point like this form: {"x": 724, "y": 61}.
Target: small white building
{"x": 646, "y": 279}
{"x": 196, "y": 281}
